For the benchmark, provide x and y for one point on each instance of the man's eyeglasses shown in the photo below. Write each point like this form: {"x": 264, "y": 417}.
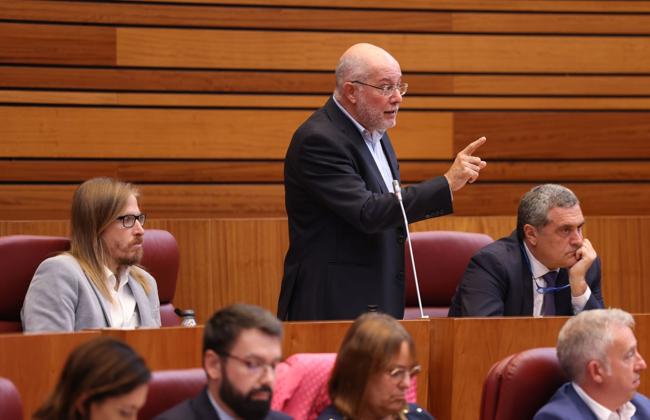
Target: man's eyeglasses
{"x": 399, "y": 373}
{"x": 255, "y": 367}
{"x": 386, "y": 90}
{"x": 128, "y": 220}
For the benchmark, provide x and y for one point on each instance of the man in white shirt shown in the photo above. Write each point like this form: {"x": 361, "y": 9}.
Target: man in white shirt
{"x": 545, "y": 267}
{"x": 242, "y": 344}
{"x": 598, "y": 351}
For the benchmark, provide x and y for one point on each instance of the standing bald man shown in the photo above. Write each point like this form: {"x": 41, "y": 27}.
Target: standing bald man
{"x": 346, "y": 230}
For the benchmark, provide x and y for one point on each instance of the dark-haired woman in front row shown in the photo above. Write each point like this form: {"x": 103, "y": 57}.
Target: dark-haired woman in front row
{"x": 103, "y": 379}
{"x": 373, "y": 370}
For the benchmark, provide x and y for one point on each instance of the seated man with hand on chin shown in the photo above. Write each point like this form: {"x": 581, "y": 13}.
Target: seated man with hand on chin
{"x": 546, "y": 267}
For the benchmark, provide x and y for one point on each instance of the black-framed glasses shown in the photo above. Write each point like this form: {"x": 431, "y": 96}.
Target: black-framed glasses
{"x": 128, "y": 220}
{"x": 255, "y": 367}
{"x": 386, "y": 90}
{"x": 399, "y": 373}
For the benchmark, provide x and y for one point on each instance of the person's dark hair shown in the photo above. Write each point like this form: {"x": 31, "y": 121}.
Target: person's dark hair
{"x": 98, "y": 369}
{"x": 367, "y": 350}
{"x": 536, "y": 203}
{"x": 223, "y": 328}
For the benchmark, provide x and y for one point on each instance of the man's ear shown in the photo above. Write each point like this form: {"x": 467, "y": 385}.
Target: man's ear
{"x": 212, "y": 365}
{"x": 595, "y": 371}
{"x": 80, "y": 403}
{"x": 530, "y": 234}
{"x": 348, "y": 92}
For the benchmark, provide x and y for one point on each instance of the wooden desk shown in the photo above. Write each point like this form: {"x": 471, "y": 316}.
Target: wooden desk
{"x": 33, "y": 362}
{"x": 463, "y": 350}
{"x": 455, "y": 354}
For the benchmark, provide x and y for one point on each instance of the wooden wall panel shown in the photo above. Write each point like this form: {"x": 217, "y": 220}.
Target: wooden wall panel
{"x": 150, "y": 133}
{"x": 192, "y": 80}
{"x": 40, "y": 201}
{"x": 216, "y": 15}
{"x": 51, "y": 132}
{"x": 552, "y": 135}
{"x": 441, "y": 53}
{"x": 245, "y": 171}
{"x": 199, "y": 265}
{"x": 612, "y": 6}
{"x": 44, "y": 44}
{"x": 24, "y": 202}
{"x": 252, "y": 249}
{"x": 35, "y": 227}
{"x": 312, "y": 102}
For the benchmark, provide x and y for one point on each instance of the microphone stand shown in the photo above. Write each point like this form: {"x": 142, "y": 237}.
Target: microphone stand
{"x": 398, "y": 194}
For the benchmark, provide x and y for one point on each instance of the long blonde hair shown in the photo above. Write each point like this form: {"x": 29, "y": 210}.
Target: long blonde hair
{"x": 95, "y": 205}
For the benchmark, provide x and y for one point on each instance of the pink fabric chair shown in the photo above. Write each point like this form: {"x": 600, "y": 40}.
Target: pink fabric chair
{"x": 11, "y": 406}
{"x": 301, "y": 385}
{"x": 20, "y": 256}
{"x": 441, "y": 258}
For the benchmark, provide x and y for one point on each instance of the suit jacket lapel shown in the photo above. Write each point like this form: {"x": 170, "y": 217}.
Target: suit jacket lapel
{"x": 202, "y": 406}
{"x": 102, "y": 303}
{"x": 350, "y": 131}
{"x": 526, "y": 279}
{"x": 141, "y": 301}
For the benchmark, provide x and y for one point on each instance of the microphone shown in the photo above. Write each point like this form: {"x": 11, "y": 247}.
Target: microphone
{"x": 398, "y": 194}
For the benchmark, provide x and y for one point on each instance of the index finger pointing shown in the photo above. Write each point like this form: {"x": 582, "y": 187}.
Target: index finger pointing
{"x": 471, "y": 148}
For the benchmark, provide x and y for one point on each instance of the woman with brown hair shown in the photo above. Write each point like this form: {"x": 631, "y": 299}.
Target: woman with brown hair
{"x": 102, "y": 379}
{"x": 373, "y": 370}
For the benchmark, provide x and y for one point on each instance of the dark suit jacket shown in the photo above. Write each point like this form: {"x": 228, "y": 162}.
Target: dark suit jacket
{"x": 414, "y": 412}
{"x": 200, "y": 408}
{"x": 567, "y": 404}
{"x": 346, "y": 229}
{"x": 498, "y": 281}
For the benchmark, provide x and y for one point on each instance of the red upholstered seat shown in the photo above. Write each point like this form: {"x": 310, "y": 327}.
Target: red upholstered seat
{"x": 441, "y": 258}
{"x": 168, "y": 388}
{"x": 11, "y": 407}
{"x": 520, "y": 384}
{"x": 161, "y": 259}
{"x": 20, "y": 256}
{"x": 301, "y": 385}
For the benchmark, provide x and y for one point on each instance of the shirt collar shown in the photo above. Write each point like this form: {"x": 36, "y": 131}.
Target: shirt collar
{"x": 110, "y": 277}
{"x": 537, "y": 268}
{"x": 626, "y": 411}
{"x": 371, "y": 136}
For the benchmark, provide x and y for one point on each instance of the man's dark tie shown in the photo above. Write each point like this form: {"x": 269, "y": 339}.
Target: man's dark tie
{"x": 548, "y": 306}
